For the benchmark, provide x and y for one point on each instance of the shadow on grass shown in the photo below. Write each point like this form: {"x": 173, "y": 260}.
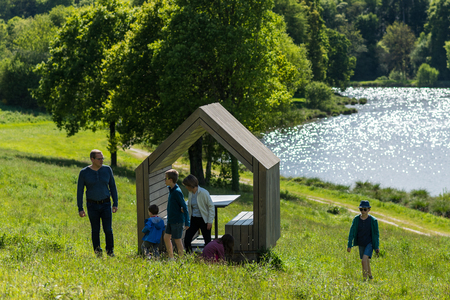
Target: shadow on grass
{"x": 29, "y": 111}
{"x": 64, "y": 162}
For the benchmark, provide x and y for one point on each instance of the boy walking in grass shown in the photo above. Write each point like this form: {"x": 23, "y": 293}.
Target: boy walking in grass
{"x": 177, "y": 214}
{"x": 153, "y": 229}
{"x": 364, "y": 233}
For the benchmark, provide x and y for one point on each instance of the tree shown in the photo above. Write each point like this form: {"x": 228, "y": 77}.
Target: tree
{"x": 28, "y": 41}
{"x": 208, "y": 51}
{"x": 368, "y": 64}
{"x": 4, "y": 37}
{"x": 398, "y": 42}
{"x": 438, "y": 25}
{"x": 447, "y": 49}
{"x": 295, "y": 17}
{"x": 231, "y": 56}
{"x": 318, "y": 95}
{"x": 72, "y": 88}
{"x": 421, "y": 53}
{"x": 317, "y": 42}
{"x": 411, "y": 12}
{"x": 427, "y": 76}
{"x": 28, "y": 8}
{"x": 340, "y": 63}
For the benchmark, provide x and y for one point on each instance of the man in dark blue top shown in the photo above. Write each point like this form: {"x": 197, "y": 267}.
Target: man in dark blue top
{"x": 177, "y": 215}
{"x": 100, "y": 188}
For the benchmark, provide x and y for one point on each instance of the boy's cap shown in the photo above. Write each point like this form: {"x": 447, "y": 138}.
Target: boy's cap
{"x": 364, "y": 204}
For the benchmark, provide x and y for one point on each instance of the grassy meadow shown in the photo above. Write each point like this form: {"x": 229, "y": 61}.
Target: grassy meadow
{"x": 45, "y": 247}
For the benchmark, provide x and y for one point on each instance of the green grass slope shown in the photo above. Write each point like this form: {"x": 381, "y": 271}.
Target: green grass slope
{"x": 45, "y": 248}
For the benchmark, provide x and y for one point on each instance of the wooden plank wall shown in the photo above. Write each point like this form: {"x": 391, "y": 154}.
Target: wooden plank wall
{"x": 159, "y": 193}
{"x": 266, "y": 205}
{"x": 142, "y": 198}
{"x": 273, "y": 223}
{"x": 256, "y": 196}
{"x": 150, "y": 189}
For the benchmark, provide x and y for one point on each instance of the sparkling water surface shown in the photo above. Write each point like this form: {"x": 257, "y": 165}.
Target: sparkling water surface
{"x": 400, "y": 139}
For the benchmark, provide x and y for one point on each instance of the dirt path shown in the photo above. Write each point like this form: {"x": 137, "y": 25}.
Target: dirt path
{"x": 382, "y": 218}
{"x": 141, "y": 154}
{"x": 138, "y": 153}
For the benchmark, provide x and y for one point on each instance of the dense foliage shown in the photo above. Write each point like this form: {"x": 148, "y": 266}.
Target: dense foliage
{"x": 125, "y": 64}
{"x": 354, "y": 40}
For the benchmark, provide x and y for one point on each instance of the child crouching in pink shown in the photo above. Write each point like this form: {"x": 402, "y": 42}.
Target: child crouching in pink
{"x": 218, "y": 249}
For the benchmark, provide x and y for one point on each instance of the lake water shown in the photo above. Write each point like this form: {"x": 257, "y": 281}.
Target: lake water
{"x": 400, "y": 139}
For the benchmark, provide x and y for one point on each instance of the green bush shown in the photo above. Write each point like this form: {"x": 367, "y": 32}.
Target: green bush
{"x": 420, "y": 204}
{"x": 335, "y": 210}
{"x": 427, "y": 76}
{"x": 422, "y": 194}
{"x": 441, "y": 205}
{"x": 318, "y": 96}
{"x": 397, "y": 76}
{"x": 362, "y": 100}
{"x": 16, "y": 78}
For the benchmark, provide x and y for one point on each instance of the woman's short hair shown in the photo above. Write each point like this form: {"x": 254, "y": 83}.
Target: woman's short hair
{"x": 190, "y": 181}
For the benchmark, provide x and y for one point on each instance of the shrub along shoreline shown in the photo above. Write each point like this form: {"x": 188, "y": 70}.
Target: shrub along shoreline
{"x": 418, "y": 199}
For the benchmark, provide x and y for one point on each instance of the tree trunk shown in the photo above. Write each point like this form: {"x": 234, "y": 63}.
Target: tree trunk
{"x": 234, "y": 174}
{"x": 195, "y": 158}
{"x": 209, "y": 152}
{"x": 112, "y": 143}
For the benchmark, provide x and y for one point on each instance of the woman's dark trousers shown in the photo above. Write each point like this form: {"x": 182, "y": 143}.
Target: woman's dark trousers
{"x": 196, "y": 224}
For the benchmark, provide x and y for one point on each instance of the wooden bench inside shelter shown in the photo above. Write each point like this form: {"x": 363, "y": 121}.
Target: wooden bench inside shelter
{"x": 241, "y": 228}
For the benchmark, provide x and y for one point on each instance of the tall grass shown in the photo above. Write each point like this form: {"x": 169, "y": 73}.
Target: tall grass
{"x": 45, "y": 248}
{"x": 10, "y": 115}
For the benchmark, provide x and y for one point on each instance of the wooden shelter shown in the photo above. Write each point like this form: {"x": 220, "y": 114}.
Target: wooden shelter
{"x": 253, "y": 231}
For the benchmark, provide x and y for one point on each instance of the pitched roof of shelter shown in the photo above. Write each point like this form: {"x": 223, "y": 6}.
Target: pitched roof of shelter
{"x": 224, "y": 127}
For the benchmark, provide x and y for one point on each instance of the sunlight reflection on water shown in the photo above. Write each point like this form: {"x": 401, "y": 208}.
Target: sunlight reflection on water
{"x": 399, "y": 139}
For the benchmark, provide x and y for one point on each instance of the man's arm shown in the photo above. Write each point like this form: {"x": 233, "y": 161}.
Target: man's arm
{"x": 80, "y": 191}
{"x": 113, "y": 191}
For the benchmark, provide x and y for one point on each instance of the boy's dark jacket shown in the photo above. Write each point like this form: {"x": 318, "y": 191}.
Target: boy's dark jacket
{"x": 153, "y": 229}
{"x": 353, "y": 235}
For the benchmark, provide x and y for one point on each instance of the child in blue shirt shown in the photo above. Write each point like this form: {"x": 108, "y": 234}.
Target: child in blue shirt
{"x": 154, "y": 226}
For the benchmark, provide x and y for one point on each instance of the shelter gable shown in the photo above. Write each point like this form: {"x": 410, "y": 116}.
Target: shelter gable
{"x": 224, "y": 127}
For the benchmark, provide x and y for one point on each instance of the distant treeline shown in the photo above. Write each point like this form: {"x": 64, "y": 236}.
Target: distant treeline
{"x": 353, "y": 40}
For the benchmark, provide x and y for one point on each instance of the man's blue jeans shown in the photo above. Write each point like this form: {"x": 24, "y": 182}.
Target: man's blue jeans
{"x": 103, "y": 212}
